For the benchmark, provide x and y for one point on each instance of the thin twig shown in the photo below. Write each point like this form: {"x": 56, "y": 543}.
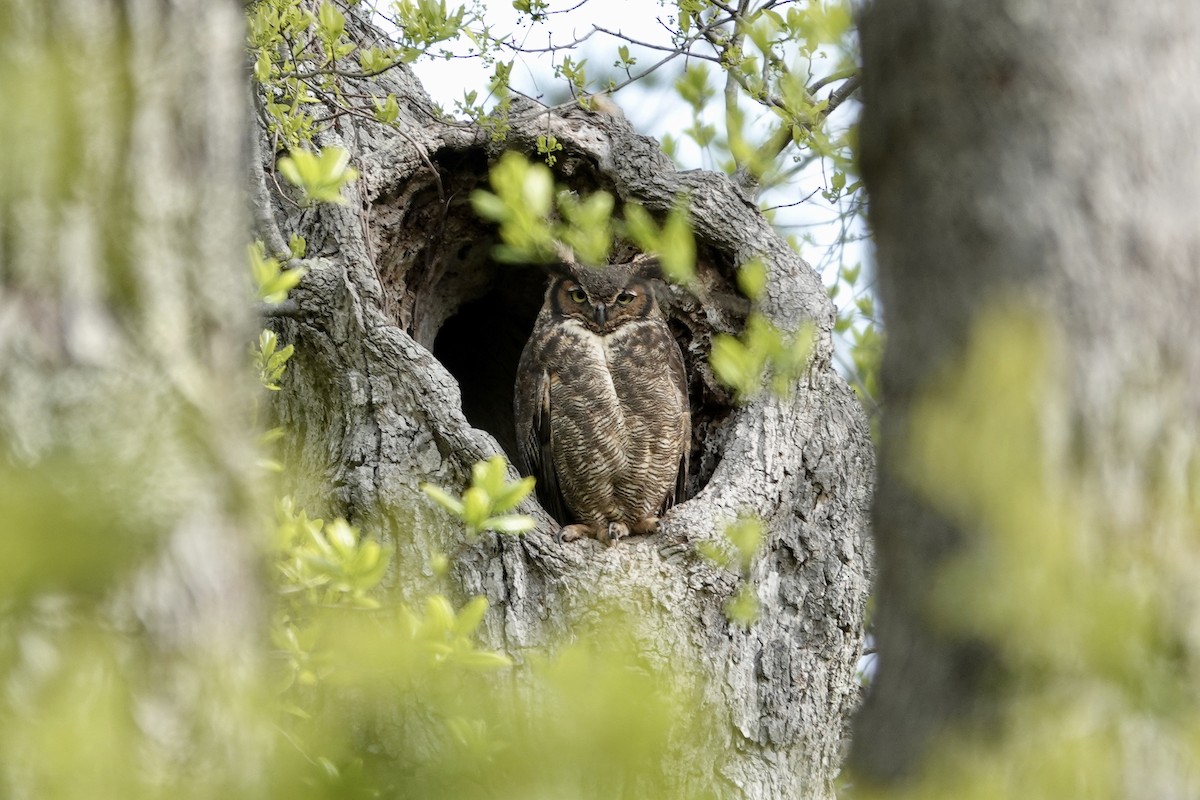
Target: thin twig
{"x": 802, "y": 200}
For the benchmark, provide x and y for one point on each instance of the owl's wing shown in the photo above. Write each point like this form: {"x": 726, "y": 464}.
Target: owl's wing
{"x": 678, "y": 493}
{"x": 533, "y": 437}
{"x": 679, "y": 381}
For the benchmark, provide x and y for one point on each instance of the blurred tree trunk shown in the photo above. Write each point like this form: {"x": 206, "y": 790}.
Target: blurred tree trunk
{"x": 407, "y": 336}
{"x": 126, "y": 440}
{"x": 1036, "y": 162}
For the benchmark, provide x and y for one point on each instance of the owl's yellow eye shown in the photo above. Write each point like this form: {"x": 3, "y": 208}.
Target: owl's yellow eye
{"x": 578, "y": 295}
{"x": 625, "y": 298}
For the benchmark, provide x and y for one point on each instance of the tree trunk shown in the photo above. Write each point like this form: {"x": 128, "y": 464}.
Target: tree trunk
{"x": 126, "y": 437}
{"x": 1036, "y": 165}
{"x": 407, "y": 337}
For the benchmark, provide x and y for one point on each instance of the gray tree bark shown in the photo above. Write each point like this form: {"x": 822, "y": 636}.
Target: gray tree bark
{"x": 126, "y": 435}
{"x": 407, "y": 336}
{"x": 1043, "y": 156}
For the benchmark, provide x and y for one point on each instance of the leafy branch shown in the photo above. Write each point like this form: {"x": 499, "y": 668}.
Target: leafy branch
{"x": 485, "y": 504}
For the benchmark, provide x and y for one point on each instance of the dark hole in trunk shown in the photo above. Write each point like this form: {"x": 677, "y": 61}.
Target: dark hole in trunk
{"x": 481, "y": 344}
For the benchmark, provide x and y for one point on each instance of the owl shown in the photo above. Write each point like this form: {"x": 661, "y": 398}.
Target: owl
{"x": 601, "y": 404}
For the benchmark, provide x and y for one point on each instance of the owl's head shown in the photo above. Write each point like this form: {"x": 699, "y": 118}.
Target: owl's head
{"x": 603, "y": 299}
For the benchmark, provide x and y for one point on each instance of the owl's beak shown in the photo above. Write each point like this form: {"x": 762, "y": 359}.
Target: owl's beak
{"x": 601, "y": 314}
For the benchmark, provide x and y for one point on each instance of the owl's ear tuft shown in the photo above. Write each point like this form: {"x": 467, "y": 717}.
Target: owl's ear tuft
{"x": 646, "y": 265}
{"x": 564, "y": 264}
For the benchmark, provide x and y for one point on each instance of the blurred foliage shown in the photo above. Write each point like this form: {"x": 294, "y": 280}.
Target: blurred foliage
{"x": 330, "y": 564}
{"x": 94, "y": 540}
{"x": 271, "y": 360}
{"x": 742, "y": 539}
{"x": 379, "y": 697}
{"x": 272, "y": 281}
{"x": 859, "y": 324}
{"x": 1089, "y": 611}
{"x": 534, "y": 217}
{"x": 762, "y": 352}
{"x": 320, "y": 177}
{"x": 443, "y": 719}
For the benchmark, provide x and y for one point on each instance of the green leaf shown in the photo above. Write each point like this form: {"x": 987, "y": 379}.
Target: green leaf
{"x": 548, "y": 145}
{"x": 475, "y": 507}
{"x": 489, "y": 475}
{"x": 489, "y": 206}
{"x": 746, "y": 536}
{"x": 372, "y": 60}
{"x": 521, "y": 201}
{"x": 512, "y": 494}
{"x": 387, "y": 111}
{"x": 331, "y": 20}
{"x": 341, "y": 536}
{"x": 443, "y": 498}
{"x": 866, "y": 305}
{"x": 752, "y": 278}
{"x": 320, "y": 178}
{"x": 677, "y": 245}
{"x": 262, "y": 66}
{"x": 297, "y": 245}
{"x": 743, "y": 609}
{"x": 694, "y": 87}
{"x": 470, "y": 615}
{"x": 734, "y": 365}
{"x": 511, "y": 524}
{"x": 484, "y": 659}
{"x": 270, "y": 361}
{"x": 640, "y": 227}
{"x": 589, "y": 229}
{"x": 713, "y": 552}
{"x": 439, "y": 614}
{"x": 538, "y": 189}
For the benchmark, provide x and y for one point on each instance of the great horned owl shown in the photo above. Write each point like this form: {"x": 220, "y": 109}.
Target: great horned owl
{"x": 601, "y": 404}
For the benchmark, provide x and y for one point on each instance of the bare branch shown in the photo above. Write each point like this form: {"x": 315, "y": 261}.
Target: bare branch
{"x": 833, "y": 77}
{"x": 575, "y": 7}
{"x": 842, "y": 94}
{"x": 677, "y": 50}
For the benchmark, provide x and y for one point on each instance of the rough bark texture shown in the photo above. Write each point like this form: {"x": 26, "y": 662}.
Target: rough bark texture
{"x": 126, "y": 439}
{"x": 407, "y": 337}
{"x": 1043, "y": 154}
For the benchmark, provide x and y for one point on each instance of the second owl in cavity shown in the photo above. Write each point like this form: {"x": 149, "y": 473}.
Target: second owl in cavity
{"x": 601, "y": 404}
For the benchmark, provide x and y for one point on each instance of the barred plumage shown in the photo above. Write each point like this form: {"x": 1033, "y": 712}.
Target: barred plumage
{"x": 601, "y": 405}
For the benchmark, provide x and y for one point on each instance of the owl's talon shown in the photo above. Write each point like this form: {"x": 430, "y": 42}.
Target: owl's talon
{"x": 616, "y": 530}
{"x": 647, "y": 526}
{"x": 569, "y": 533}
